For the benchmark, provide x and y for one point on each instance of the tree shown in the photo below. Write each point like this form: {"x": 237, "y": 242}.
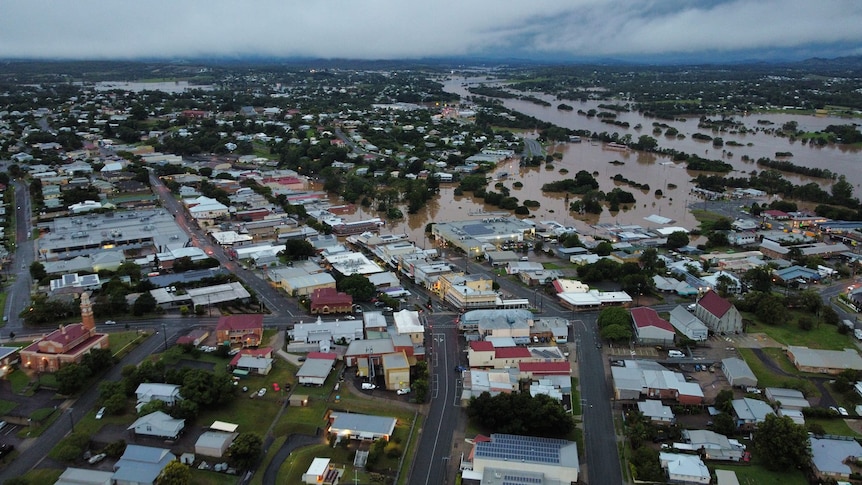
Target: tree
{"x": 678, "y": 239}
{"x": 245, "y": 450}
{"x": 175, "y": 473}
{"x": 37, "y": 271}
{"x": 71, "y": 378}
{"x": 781, "y": 444}
{"x": 759, "y": 279}
{"x": 604, "y": 248}
{"x": 206, "y": 388}
{"x": 771, "y": 310}
{"x": 649, "y": 261}
{"x": 358, "y": 286}
{"x": 145, "y": 303}
{"x": 723, "y": 423}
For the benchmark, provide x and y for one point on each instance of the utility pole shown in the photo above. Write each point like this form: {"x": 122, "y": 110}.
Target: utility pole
{"x": 165, "y": 334}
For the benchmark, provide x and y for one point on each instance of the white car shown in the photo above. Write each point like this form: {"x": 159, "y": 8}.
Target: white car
{"x": 402, "y": 392}
{"x": 367, "y": 386}
{"x": 110, "y": 322}
{"x": 100, "y": 414}
{"x": 843, "y": 412}
{"x": 349, "y": 317}
{"x": 261, "y": 392}
{"x": 96, "y": 458}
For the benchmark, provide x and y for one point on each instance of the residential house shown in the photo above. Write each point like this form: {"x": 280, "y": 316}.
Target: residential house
{"x": 141, "y": 465}
{"x": 252, "y": 361}
{"x": 361, "y": 426}
{"x": 156, "y": 391}
{"x": 85, "y": 476}
{"x": 686, "y": 469}
{"x": 656, "y": 412}
{"x": 714, "y": 446}
{"x": 159, "y": 425}
{"x": 316, "y": 368}
{"x": 749, "y": 412}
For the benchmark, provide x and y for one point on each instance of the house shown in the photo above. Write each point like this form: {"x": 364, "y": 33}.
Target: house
{"x": 650, "y": 328}
{"x": 252, "y": 361}
{"x": 159, "y": 425}
{"x": 214, "y": 443}
{"x": 480, "y": 353}
{"x": 526, "y": 459}
{"x": 82, "y": 476}
{"x": 329, "y": 300}
{"x": 832, "y": 458}
{"x": 361, "y": 426}
{"x": 656, "y": 412}
{"x": 244, "y": 329}
{"x": 66, "y": 345}
{"x": 321, "y": 472}
{"x": 316, "y": 368}
{"x": 713, "y": 445}
{"x": 718, "y": 314}
{"x": 194, "y": 338}
{"x": 152, "y": 391}
{"x": 645, "y": 378}
{"x": 684, "y": 468}
{"x": 749, "y": 412}
{"x": 738, "y": 373}
{"x": 141, "y": 465}
{"x": 687, "y": 324}
{"x": 824, "y": 361}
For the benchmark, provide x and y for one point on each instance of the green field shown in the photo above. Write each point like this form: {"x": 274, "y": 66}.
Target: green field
{"x": 756, "y": 474}
{"x": 822, "y": 336}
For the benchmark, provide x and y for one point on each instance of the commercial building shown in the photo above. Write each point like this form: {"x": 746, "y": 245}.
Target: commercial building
{"x": 523, "y": 459}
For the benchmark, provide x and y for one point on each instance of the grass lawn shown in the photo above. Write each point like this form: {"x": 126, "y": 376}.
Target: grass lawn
{"x": 821, "y": 337}
{"x": 206, "y": 477}
{"x": 767, "y": 378}
{"x": 6, "y": 406}
{"x": 756, "y": 474}
{"x": 342, "y": 457}
{"x": 833, "y": 426}
{"x": 122, "y": 342}
{"x": 19, "y": 381}
{"x": 42, "y": 475}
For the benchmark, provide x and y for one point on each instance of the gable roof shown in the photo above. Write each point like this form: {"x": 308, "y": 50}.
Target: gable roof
{"x": 546, "y": 368}
{"x": 828, "y": 455}
{"x": 714, "y": 304}
{"x": 512, "y": 353}
{"x": 481, "y": 346}
{"x": 647, "y": 317}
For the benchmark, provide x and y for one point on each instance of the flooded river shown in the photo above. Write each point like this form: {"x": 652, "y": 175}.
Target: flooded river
{"x": 603, "y": 162}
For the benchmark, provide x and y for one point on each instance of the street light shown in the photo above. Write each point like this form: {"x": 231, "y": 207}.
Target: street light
{"x": 165, "y": 334}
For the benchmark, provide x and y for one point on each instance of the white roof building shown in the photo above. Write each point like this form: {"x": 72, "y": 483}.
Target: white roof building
{"x": 684, "y": 468}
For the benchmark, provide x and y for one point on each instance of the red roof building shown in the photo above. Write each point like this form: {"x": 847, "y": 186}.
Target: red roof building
{"x": 718, "y": 314}
{"x": 482, "y": 346}
{"x": 325, "y": 301}
{"x": 263, "y": 352}
{"x": 245, "y": 329}
{"x": 322, "y": 355}
{"x": 537, "y": 369}
{"x": 650, "y": 328}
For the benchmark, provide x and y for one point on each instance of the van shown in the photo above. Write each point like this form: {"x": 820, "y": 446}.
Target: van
{"x": 675, "y": 354}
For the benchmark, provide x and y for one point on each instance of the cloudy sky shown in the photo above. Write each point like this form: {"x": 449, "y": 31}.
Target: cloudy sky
{"x": 649, "y": 30}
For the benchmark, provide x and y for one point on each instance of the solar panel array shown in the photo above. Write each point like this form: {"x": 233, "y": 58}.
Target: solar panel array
{"x": 520, "y": 448}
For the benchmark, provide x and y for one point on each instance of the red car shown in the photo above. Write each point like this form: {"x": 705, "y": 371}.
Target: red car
{"x": 275, "y": 387}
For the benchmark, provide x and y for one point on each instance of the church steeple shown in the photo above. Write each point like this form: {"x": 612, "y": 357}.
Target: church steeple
{"x": 87, "y": 318}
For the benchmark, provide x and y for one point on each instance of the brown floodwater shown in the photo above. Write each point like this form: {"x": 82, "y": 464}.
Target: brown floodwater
{"x": 659, "y": 172}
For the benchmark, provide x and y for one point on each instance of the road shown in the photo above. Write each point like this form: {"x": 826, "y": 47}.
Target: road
{"x": 431, "y": 461}
{"x": 18, "y": 293}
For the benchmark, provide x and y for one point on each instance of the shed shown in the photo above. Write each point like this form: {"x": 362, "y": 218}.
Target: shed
{"x": 738, "y": 373}
{"x": 214, "y": 443}
{"x": 298, "y": 400}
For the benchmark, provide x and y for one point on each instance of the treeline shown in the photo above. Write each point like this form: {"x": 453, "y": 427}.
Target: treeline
{"x": 786, "y": 166}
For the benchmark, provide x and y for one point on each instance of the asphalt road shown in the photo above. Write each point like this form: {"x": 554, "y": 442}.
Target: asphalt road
{"x": 431, "y": 461}
{"x": 18, "y": 293}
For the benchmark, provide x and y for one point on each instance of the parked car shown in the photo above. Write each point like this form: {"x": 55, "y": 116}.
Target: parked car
{"x": 110, "y": 322}
{"x": 5, "y": 449}
{"x": 367, "y": 386}
{"x": 96, "y": 458}
{"x": 275, "y": 387}
{"x": 460, "y": 368}
{"x": 349, "y": 317}
{"x": 100, "y": 414}
{"x": 402, "y": 392}
{"x": 261, "y": 392}
{"x": 834, "y": 410}
{"x": 843, "y": 412}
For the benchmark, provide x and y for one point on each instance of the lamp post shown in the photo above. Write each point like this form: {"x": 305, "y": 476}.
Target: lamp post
{"x": 165, "y": 334}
